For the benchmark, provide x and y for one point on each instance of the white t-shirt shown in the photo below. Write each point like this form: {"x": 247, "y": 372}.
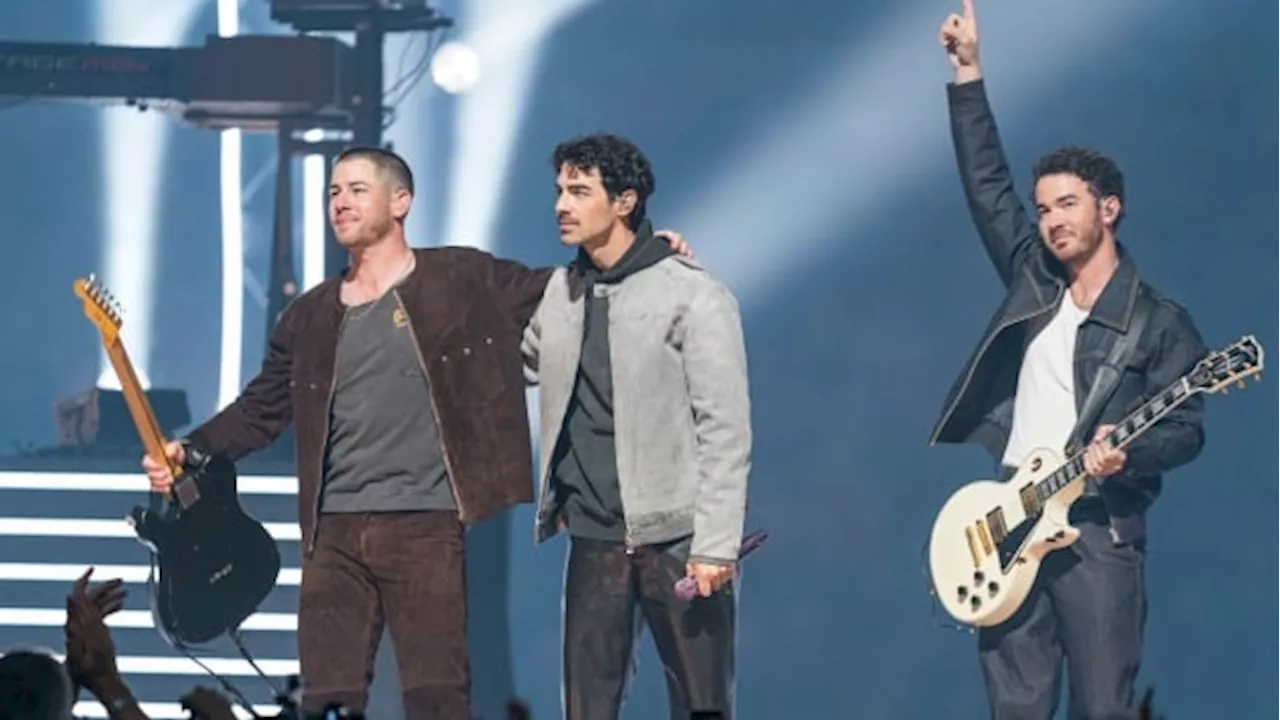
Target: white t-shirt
{"x": 1044, "y": 408}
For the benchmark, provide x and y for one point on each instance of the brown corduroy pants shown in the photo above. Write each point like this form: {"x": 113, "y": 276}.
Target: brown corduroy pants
{"x": 404, "y": 570}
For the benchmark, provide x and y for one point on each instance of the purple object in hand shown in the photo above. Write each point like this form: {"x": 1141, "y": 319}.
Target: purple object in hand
{"x": 687, "y": 587}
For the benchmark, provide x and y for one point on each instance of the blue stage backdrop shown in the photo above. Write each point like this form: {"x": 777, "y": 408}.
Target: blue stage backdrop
{"x": 804, "y": 150}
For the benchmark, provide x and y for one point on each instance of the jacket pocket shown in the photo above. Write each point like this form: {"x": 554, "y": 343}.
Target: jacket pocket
{"x": 471, "y": 369}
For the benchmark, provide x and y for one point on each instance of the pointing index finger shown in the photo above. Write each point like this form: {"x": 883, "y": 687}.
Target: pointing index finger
{"x": 82, "y": 582}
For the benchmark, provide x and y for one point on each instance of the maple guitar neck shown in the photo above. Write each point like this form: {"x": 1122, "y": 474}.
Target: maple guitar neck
{"x": 144, "y": 418}
{"x": 216, "y": 563}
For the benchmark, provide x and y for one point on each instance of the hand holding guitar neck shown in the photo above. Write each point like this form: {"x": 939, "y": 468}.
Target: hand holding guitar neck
{"x": 217, "y": 563}
{"x": 162, "y": 473}
{"x": 990, "y": 537}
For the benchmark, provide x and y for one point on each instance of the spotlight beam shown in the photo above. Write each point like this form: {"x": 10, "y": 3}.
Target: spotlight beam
{"x": 508, "y": 36}
{"x": 134, "y": 144}
{"x": 866, "y": 121}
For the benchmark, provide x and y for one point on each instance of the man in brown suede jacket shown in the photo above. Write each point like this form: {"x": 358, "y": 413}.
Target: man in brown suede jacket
{"x": 404, "y": 377}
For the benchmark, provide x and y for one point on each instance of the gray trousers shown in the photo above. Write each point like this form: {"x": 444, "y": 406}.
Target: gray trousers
{"x": 1088, "y": 607}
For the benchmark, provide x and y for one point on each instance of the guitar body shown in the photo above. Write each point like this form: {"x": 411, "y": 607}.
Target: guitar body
{"x": 989, "y": 539}
{"x": 217, "y": 564}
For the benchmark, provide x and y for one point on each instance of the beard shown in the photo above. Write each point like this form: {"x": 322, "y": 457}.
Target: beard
{"x": 1079, "y": 246}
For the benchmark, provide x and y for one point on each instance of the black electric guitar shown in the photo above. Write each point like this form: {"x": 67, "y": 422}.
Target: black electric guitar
{"x": 217, "y": 564}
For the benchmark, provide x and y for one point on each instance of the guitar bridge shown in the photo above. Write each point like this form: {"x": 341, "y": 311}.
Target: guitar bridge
{"x": 973, "y": 547}
{"x": 984, "y": 537}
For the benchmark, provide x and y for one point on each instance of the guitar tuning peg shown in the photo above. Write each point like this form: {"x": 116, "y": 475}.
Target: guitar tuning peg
{"x": 1240, "y": 384}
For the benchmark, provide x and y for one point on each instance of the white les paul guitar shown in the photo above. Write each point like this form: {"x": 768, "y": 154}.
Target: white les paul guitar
{"x": 990, "y": 537}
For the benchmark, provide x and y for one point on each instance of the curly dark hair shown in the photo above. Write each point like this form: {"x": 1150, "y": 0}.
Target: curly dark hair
{"x": 620, "y": 163}
{"x": 1098, "y": 171}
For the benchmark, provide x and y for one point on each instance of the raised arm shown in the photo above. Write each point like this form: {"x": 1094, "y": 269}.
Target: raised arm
{"x": 715, "y": 361}
{"x": 1000, "y": 216}
{"x": 264, "y": 409}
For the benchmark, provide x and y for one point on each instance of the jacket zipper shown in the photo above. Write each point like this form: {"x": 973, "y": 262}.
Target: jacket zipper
{"x": 431, "y": 396}
{"x": 610, "y": 294}
{"x": 324, "y": 446}
{"x": 964, "y": 387}
{"x": 544, "y": 483}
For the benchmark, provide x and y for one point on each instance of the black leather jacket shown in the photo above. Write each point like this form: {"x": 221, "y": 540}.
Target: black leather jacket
{"x": 979, "y": 407}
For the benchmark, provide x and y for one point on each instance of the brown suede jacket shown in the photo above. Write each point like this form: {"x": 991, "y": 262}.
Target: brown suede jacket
{"x": 467, "y": 311}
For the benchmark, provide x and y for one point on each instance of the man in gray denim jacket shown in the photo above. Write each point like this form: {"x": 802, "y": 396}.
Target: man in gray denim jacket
{"x": 645, "y": 443}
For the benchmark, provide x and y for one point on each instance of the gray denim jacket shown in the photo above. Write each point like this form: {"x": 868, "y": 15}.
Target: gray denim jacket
{"x": 682, "y": 414}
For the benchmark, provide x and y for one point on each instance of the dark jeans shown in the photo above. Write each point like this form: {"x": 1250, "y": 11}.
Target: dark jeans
{"x": 607, "y": 595}
{"x": 403, "y": 569}
{"x": 1088, "y": 607}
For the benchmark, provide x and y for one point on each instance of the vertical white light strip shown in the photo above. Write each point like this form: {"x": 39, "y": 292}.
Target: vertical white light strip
{"x": 314, "y": 215}
{"x": 230, "y": 188}
{"x": 508, "y": 35}
{"x": 133, "y": 146}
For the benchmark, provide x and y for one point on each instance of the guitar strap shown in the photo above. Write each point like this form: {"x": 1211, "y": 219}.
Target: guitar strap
{"x": 1108, "y": 377}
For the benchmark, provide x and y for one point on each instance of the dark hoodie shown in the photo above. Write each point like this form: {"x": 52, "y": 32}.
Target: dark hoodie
{"x": 584, "y": 469}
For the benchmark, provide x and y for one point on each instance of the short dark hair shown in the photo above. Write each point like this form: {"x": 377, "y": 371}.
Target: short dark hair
{"x": 33, "y": 684}
{"x": 1098, "y": 171}
{"x": 620, "y": 163}
{"x": 386, "y": 161}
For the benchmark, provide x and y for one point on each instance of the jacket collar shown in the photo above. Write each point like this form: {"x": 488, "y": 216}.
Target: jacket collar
{"x": 1114, "y": 306}
{"x": 329, "y": 292}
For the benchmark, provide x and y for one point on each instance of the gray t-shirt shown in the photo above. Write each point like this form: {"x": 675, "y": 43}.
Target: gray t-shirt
{"x": 384, "y": 452}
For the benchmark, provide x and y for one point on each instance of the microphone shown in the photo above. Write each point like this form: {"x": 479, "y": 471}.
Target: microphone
{"x": 686, "y": 587}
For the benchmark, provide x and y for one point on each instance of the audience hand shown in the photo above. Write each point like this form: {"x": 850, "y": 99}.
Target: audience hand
{"x": 91, "y": 653}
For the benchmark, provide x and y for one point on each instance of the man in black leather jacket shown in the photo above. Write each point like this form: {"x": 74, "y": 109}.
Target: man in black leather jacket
{"x": 1071, "y": 293}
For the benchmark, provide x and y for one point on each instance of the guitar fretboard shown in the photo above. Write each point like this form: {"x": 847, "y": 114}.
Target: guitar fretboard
{"x": 1125, "y": 432}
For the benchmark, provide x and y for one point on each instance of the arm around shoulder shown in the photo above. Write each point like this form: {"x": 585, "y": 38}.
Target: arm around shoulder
{"x": 716, "y": 370}
{"x": 519, "y": 288}
{"x": 265, "y": 407}
{"x": 1007, "y": 232}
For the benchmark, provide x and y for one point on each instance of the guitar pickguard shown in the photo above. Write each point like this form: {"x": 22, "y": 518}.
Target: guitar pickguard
{"x": 1009, "y": 549}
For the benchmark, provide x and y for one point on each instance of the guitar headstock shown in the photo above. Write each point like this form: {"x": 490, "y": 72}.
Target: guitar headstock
{"x": 100, "y": 307}
{"x": 1230, "y": 365}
